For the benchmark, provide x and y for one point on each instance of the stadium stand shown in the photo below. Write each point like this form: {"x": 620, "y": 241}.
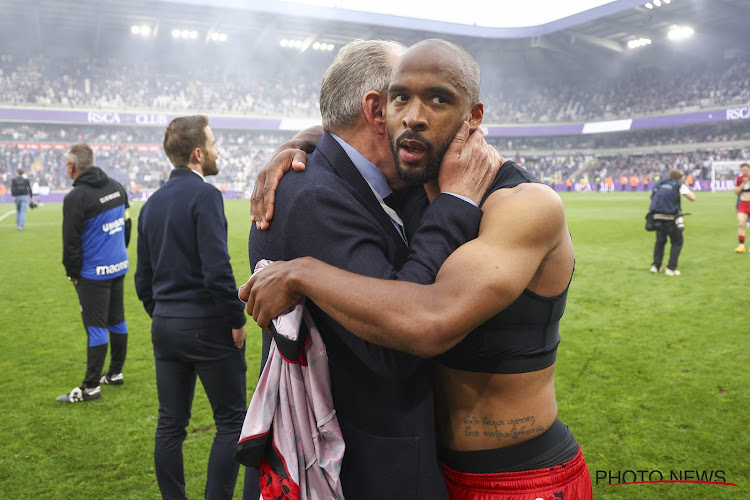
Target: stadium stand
{"x": 670, "y": 107}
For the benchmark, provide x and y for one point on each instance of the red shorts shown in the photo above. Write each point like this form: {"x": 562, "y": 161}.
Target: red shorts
{"x": 744, "y": 207}
{"x": 570, "y": 481}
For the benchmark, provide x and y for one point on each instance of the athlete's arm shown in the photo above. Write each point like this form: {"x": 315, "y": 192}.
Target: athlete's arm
{"x": 478, "y": 280}
{"x": 292, "y": 154}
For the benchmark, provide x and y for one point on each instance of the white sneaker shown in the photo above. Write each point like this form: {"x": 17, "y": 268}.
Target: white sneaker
{"x": 81, "y": 394}
{"x": 654, "y": 269}
{"x": 669, "y": 272}
{"x": 115, "y": 379}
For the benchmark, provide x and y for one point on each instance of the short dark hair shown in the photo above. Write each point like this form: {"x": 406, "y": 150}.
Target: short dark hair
{"x": 82, "y": 156}
{"x": 183, "y": 135}
{"x": 745, "y": 165}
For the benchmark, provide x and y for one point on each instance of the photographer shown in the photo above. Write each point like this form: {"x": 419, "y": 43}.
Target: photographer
{"x": 666, "y": 210}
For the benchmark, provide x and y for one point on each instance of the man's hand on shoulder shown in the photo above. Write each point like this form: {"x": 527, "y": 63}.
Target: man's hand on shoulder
{"x": 292, "y": 154}
{"x": 264, "y": 192}
{"x": 469, "y": 165}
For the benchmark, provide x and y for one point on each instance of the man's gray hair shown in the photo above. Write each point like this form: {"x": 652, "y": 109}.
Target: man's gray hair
{"x": 82, "y": 156}
{"x": 359, "y": 67}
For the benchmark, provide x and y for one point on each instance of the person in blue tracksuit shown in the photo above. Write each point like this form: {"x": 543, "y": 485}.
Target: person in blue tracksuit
{"x": 96, "y": 232}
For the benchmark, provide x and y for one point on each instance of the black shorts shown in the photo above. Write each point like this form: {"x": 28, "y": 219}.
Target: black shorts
{"x": 102, "y": 308}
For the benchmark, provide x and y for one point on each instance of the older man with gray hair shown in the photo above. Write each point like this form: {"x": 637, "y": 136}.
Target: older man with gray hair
{"x": 96, "y": 231}
{"x": 341, "y": 210}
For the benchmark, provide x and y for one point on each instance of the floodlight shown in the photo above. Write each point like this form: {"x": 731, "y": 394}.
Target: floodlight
{"x": 666, "y": 1}
{"x": 330, "y": 47}
{"x": 193, "y": 35}
{"x": 649, "y": 6}
{"x": 316, "y": 46}
{"x": 175, "y": 33}
{"x": 680, "y": 32}
{"x": 145, "y": 30}
{"x": 641, "y": 42}
{"x": 223, "y": 37}
{"x": 135, "y": 30}
{"x": 657, "y": 3}
{"x": 284, "y": 43}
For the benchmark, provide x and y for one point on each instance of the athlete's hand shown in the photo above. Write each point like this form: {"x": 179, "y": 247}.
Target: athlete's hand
{"x": 469, "y": 165}
{"x": 264, "y": 192}
{"x": 271, "y": 291}
{"x": 238, "y": 335}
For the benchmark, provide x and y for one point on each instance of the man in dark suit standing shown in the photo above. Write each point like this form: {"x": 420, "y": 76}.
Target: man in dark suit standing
{"x": 338, "y": 210}
{"x": 186, "y": 284}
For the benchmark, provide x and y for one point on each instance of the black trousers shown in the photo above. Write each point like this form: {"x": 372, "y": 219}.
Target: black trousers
{"x": 664, "y": 229}
{"x": 103, "y": 315}
{"x": 186, "y": 348}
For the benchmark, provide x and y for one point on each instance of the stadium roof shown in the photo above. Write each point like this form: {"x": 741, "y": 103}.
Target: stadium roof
{"x": 485, "y": 18}
{"x": 578, "y": 43}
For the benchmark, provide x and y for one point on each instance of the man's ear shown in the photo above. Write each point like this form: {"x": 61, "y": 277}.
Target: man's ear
{"x": 477, "y": 115}
{"x": 373, "y": 105}
{"x": 197, "y": 156}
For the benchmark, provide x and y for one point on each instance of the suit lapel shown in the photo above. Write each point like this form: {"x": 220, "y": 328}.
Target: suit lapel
{"x": 344, "y": 168}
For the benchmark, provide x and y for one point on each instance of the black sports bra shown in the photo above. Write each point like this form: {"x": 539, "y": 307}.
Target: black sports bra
{"x": 522, "y": 338}
{"x": 525, "y": 335}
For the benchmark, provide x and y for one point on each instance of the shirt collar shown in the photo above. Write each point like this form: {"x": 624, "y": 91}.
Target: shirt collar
{"x": 369, "y": 171}
{"x": 197, "y": 173}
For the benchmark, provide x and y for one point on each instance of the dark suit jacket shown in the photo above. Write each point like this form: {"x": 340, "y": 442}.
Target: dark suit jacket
{"x": 383, "y": 398}
{"x": 183, "y": 264}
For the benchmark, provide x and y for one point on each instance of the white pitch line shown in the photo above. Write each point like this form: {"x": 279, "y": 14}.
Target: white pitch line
{"x": 2, "y": 217}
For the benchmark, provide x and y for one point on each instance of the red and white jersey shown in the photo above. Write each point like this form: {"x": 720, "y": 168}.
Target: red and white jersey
{"x": 743, "y": 179}
{"x": 291, "y": 433}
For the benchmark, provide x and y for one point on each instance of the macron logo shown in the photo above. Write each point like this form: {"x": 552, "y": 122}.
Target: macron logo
{"x": 105, "y": 199}
{"x": 114, "y": 268}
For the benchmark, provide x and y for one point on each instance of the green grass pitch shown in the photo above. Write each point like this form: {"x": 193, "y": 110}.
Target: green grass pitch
{"x": 653, "y": 373}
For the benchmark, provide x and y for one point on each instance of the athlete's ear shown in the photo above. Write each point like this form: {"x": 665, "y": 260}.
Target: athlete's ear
{"x": 373, "y": 105}
{"x": 477, "y": 115}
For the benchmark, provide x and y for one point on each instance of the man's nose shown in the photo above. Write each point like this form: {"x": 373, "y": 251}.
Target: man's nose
{"x": 415, "y": 118}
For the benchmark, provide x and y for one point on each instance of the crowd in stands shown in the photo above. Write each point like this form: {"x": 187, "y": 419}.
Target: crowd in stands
{"x": 115, "y": 84}
{"x": 642, "y": 91}
{"x": 133, "y": 155}
{"x": 686, "y": 136}
{"x": 121, "y": 153}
